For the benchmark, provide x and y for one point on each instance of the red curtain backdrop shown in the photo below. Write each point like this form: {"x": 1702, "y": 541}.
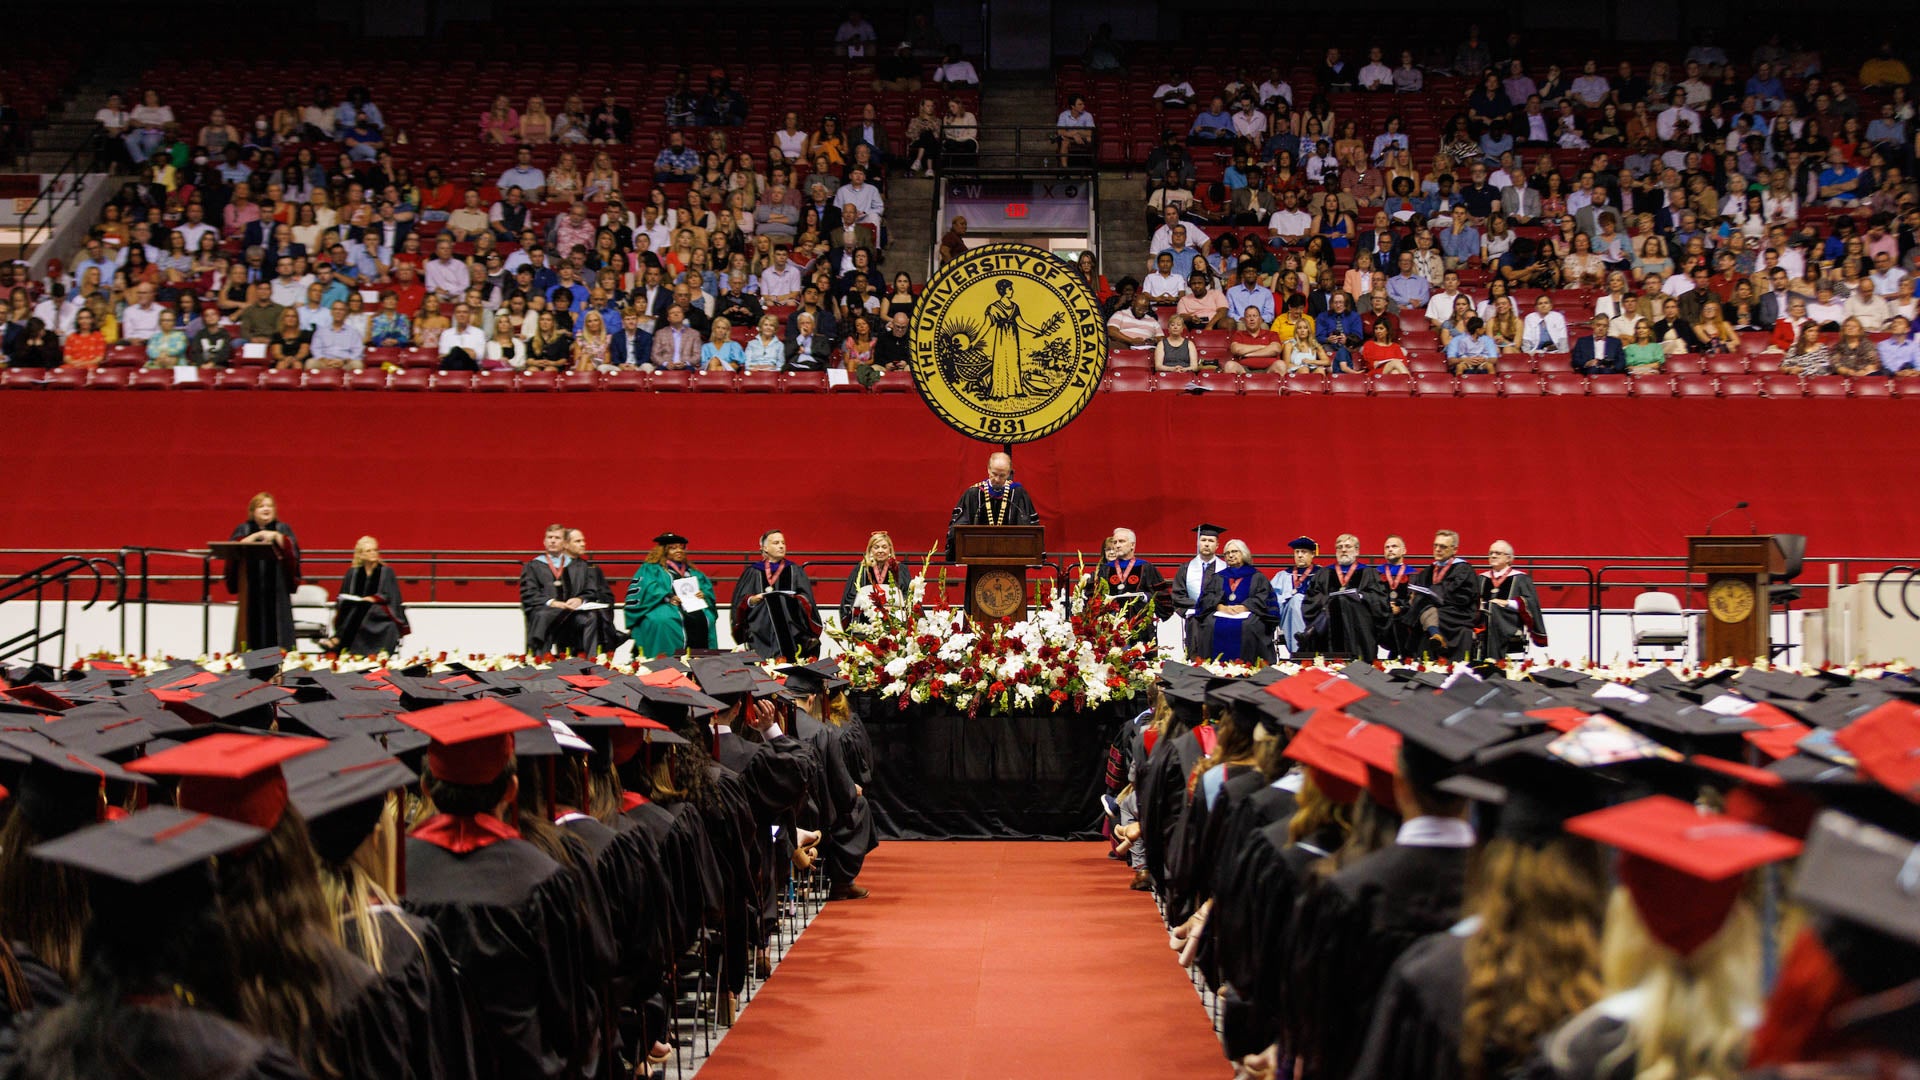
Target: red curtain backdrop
{"x": 1566, "y": 476}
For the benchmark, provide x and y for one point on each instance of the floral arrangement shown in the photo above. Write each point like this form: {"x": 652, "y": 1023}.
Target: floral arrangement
{"x": 1072, "y": 652}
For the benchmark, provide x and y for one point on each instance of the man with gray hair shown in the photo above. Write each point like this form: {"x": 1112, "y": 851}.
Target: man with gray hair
{"x": 1134, "y": 584}
{"x": 1343, "y": 606}
{"x": 1510, "y": 606}
{"x": 1446, "y": 598}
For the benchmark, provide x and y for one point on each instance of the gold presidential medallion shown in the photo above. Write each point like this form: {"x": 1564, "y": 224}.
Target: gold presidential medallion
{"x": 1008, "y": 344}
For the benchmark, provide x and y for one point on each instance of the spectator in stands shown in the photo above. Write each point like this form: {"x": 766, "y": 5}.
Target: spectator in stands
{"x": 1643, "y": 354}
{"x": 525, "y": 176}
{"x": 1168, "y": 194}
{"x": 1250, "y": 294}
{"x": 500, "y": 124}
{"x": 337, "y": 345}
{"x": 1338, "y": 331}
{"x": 855, "y": 35}
{"x": 956, "y": 70}
{"x": 260, "y": 319}
{"x": 923, "y": 138}
{"x": 141, "y": 319}
{"x": 676, "y": 163}
{"x": 312, "y": 312}
{"x": 780, "y": 282}
{"x": 114, "y": 118}
{"x": 720, "y": 106}
{"x": 1202, "y": 305}
{"x": 1075, "y": 128}
{"x": 1408, "y": 288}
{"x": 1254, "y": 346}
{"x": 463, "y": 344}
{"x": 1600, "y": 353}
{"x": 959, "y": 134}
{"x": 470, "y": 221}
{"x": 1809, "y": 355}
{"x": 390, "y": 326}
{"x": 35, "y": 345}
{"x": 1855, "y": 354}
{"x": 610, "y": 123}
{"x": 86, "y": 346}
{"x": 898, "y": 71}
{"x": 363, "y": 140}
{"x": 1214, "y": 124}
{"x": 954, "y": 243}
{"x": 1175, "y": 93}
{"x": 765, "y": 351}
{"x": 1899, "y": 352}
{"x": 810, "y": 348}
{"x": 1165, "y": 284}
{"x": 860, "y": 203}
{"x": 446, "y": 276}
{"x": 1473, "y": 352}
{"x": 287, "y": 347}
{"x": 1884, "y": 69}
{"x": 146, "y": 126}
{"x": 1133, "y": 325}
{"x": 1545, "y": 329}
{"x": 828, "y": 140}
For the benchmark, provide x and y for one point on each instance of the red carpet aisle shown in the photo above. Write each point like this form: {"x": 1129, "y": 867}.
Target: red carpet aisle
{"x": 978, "y": 961}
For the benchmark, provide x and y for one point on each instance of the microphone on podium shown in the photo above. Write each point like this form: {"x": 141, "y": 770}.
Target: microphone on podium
{"x": 1752, "y": 526}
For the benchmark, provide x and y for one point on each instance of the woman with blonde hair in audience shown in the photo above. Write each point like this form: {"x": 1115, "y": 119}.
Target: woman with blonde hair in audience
{"x": 923, "y": 138}
{"x": 1855, "y": 354}
{"x": 571, "y": 125}
{"x": 549, "y": 348}
{"x": 104, "y": 319}
{"x": 1506, "y": 326}
{"x": 603, "y": 179}
{"x": 428, "y": 324}
{"x": 535, "y": 125}
{"x": 500, "y": 124}
{"x": 288, "y": 349}
{"x": 765, "y": 351}
{"x": 563, "y": 181}
{"x": 591, "y": 345}
{"x": 789, "y": 139}
{"x": 1712, "y": 333}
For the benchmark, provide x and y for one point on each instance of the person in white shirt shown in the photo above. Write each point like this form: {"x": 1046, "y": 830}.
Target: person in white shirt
{"x": 1886, "y": 276}
{"x": 1250, "y": 122}
{"x": 1697, "y": 89}
{"x": 1678, "y": 284}
{"x": 1274, "y": 88}
{"x": 1163, "y": 236}
{"x": 860, "y": 202}
{"x": 1190, "y": 583}
{"x": 150, "y": 120}
{"x": 114, "y": 116}
{"x": 1134, "y": 326}
{"x": 141, "y": 319}
{"x": 955, "y": 70}
{"x": 855, "y": 36}
{"x": 447, "y": 276}
{"x": 464, "y": 336}
{"x": 1163, "y": 285}
{"x": 1826, "y": 307}
{"x": 337, "y": 344}
{"x": 288, "y": 289}
{"x": 780, "y": 283}
{"x": 1677, "y": 122}
{"x": 1376, "y": 75}
{"x": 1290, "y": 223}
{"x": 195, "y": 226}
{"x": 1869, "y": 307}
{"x": 1175, "y": 93}
{"x": 1545, "y": 330}
{"x": 313, "y": 312}
{"x": 1440, "y": 304}
{"x": 1074, "y": 125}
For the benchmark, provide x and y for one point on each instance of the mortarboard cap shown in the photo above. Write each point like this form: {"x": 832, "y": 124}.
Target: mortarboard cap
{"x": 341, "y": 790}
{"x": 1886, "y": 742}
{"x": 803, "y": 681}
{"x": 263, "y": 664}
{"x": 101, "y": 733}
{"x": 472, "y": 741}
{"x": 1682, "y": 866}
{"x": 421, "y": 693}
{"x": 35, "y": 697}
{"x": 149, "y": 845}
{"x": 667, "y": 538}
{"x": 1205, "y": 529}
{"x": 1316, "y": 688}
{"x": 1536, "y": 791}
{"x": 247, "y": 703}
{"x": 233, "y": 775}
{"x": 1303, "y": 543}
{"x": 1559, "y": 676}
{"x": 1861, "y": 872}
{"x": 535, "y": 742}
{"x": 58, "y": 788}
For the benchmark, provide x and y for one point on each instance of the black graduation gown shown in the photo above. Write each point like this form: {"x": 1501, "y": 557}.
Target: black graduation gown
{"x": 550, "y": 628}
{"x": 1136, "y": 585}
{"x": 1343, "y": 620}
{"x": 1162, "y": 795}
{"x": 40, "y": 986}
{"x": 686, "y": 869}
{"x": 607, "y": 630}
{"x": 510, "y": 917}
{"x": 1197, "y": 838}
{"x": 1256, "y": 630}
{"x": 1397, "y": 630}
{"x": 977, "y": 506}
{"x": 846, "y": 818}
{"x": 1253, "y": 910}
{"x": 270, "y": 585}
{"x": 429, "y": 1008}
{"x": 1225, "y": 824}
{"x": 785, "y": 624}
{"x": 1456, "y": 595}
{"x": 1416, "y": 1021}
{"x": 1510, "y": 631}
{"x": 1346, "y": 934}
{"x": 622, "y": 863}
{"x": 861, "y": 578}
{"x": 369, "y": 627}
{"x": 1184, "y": 601}
{"x": 776, "y": 775}
{"x": 153, "y": 1041}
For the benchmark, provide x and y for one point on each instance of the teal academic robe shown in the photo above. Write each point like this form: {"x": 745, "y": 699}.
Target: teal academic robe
{"x": 657, "y": 624}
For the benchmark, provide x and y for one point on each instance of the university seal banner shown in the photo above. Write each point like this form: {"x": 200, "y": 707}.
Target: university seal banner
{"x": 1008, "y": 343}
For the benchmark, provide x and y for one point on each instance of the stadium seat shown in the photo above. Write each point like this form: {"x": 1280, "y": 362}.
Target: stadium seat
{"x": 1764, "y": 363}
{"x": 124, "y": 356}
{"x": 1347, "y": 384}
{"x": 410, "y": 380}
{"x": 1695, "y": 385}
{"x": 1428, "y": 364}
{"x": 156, "y": 379}
{"x": 454, "y": 382}
{"x": 1134, "y": 359}
{"x": 625, "y": 379}
{"x": 762, "y": 382}
{"x": 1872, "y": 386}
{"x": 237, "y": 379}
{"x": 1609, "y": 386}
{"x": 325, "y": 380}
{"x": 1439, "y": 384}
{"x": 1397, "y": 386}
{"x": 419, "y": 358}
{"x": 1725, "y": 364}
{"x": 1552, "y": 361}
{"x": 894, "y": 382}
{"x": 576, "y": 381}
{"x": 1778, "y": 385}
{"x": 1260, "y": 382}
{"x": 1738, "y": 386}
{"x": 493, "y": 382}
{"x": 370, "y": 379}
{"x": 713, "y": 382}
{"x": 805, "y": 382}
{"x": 283, "y": 380}
{"x": 1651, "y": 384}
{"x": 1684, "y": 364}
{"x": 68, "y": 378}
{"x": 1827, "y": 386}
{"x": 668, "y": 380}
{"x": 1564, "y": 384}
{"x": 1130, "y": 380}
{"x": 537, "y": 382}
{"x": 23, "y": 378}
{"x": 106, "y": 378}
{"x": 1514, "y": 364}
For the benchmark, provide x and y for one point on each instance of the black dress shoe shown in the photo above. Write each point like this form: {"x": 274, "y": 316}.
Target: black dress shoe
{"x": 849, "y": 891}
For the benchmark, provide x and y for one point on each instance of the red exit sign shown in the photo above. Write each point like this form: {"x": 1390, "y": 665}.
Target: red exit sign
{"x": 1017, "y": 210}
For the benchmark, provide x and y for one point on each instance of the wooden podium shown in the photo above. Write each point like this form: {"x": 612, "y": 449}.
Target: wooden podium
{"x": 245, "y": 555}
{"x": 996, "y": 558}
{"x": 1738, "y": 570}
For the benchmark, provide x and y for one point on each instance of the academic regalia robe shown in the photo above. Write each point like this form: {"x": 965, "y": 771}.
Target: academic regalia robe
{"x": 1509, "y": 630}
{"x": 982, "y": 504}
{"x": 1162, "y": 796}
{"x": 1416, "y": 1021}
{"x": 621, "y": 863}
{"x": 1188, "y": 586}
{"x": 1397, "y": 630}
{"x": 661, "y": 628}
{"x": 1136, "y": 585}
{"x": 691, "y": 878}
{"x": 271, "y": 581}
{"x": 1244, "y": 638}
{"x": 783, "y": 625}
{"x": 510, "y": 917}
{"x": 40, "y": 988}
{"x": 1342, "y": 616}
{"x": 848, "y": 819}
{"x": 1346, "y": 934}
{"x": 776, "y": 775}
{"x": 376, "y": 624}
{"x": 429, "y": 1006}
{"x": 164, "y": 1040}
{"x": 1454, "y": 592}
{"x": 743, "y": 869}
{"x": 862, "y": 578}
{"x": 361, "y": 1038}
{"x": 1289, "y": 599}
{"x": 1225, "y": 793}
{"x": 608, "y": 633}
{"x": 552, "y": 628}
{"x": 1253, "y": 910}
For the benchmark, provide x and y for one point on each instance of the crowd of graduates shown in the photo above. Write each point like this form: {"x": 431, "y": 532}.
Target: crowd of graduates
{"x": 1427, "y": 873}
{"x": 544, "y": 872}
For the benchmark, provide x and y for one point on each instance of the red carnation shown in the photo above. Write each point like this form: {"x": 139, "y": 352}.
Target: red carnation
{"x": 1057, "y": 695}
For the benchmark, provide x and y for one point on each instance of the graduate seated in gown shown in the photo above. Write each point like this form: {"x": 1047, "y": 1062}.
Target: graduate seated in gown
{"x": 369, "y": 617}
{"x": 1236, "y": 616}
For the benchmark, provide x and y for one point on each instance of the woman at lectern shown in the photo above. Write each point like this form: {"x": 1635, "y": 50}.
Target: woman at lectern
{"x": 270, "y": 581}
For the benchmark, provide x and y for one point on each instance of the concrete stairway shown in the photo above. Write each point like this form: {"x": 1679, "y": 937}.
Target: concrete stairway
{"x": 911, "y": 230}
{"x": 71, "y": 123}
{"x": 1121, "y": 215}
{"x": 1017, "y": 100}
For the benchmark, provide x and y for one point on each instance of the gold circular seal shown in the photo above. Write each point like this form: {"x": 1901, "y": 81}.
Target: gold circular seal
{"x": 998, "y": 593}
{"x": 1730, "y": 600}
{"x": 1008, "y": 344}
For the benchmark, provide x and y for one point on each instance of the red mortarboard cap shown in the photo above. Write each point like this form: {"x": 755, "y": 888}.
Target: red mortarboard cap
{"x": 35, "y": 696}
{"x": 472, "y": 740}
{"x": 232, "y": 775}
{"x": 668, "y": 677}
{"x": 1312, "y": 688}
{"x": 1561, "y": 718}
{"x": 1886, "y": 740}
{"x": 1373, "y": 747}
{"x": 1682, "y": 866}
{"x": 1763, "y": 798}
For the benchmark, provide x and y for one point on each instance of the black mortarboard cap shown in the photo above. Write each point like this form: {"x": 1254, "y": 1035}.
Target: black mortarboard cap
{"x": 666, "y": 538}
{"x": 422, "y": 693}
{"x": 149, "y": 845}
{"x": 348, "y": 770}
{"x": 535, "y": 742}
{"x": 101, "y": 734}
{"x": 1859, "y": 871}
{"x": 1559, "y": 676}
{"x": 251, "y": 705}
{"x": 263, "y": 663}
{"x": 1205, "y": 529}
{"x": 803, "y": 681}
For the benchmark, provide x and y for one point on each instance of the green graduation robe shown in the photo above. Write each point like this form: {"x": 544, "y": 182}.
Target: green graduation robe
{"x": 655, "y": 623}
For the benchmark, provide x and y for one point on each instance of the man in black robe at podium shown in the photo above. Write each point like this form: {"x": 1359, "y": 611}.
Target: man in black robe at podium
{"x": 1134, "y": 584}
{"x": 1344, "y": 603}
{"x": 1510, "y": 606}
{"x": 997, "y": 500}
{"x": 1446, "y": 600}
{"x": 773, "y": 608}
{"x": 552, "y": 589}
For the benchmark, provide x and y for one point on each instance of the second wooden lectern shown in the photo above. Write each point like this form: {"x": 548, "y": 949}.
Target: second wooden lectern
{"x": 1738, "y": 570}
{"x": 245, "y": 555}
{"x": 996, "y": 558}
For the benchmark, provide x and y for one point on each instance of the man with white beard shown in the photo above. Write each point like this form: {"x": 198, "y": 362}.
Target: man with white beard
{"x": 1343, "y": 605}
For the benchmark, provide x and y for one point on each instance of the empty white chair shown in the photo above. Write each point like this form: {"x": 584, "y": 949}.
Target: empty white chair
{"x": 1658, "y": 623}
